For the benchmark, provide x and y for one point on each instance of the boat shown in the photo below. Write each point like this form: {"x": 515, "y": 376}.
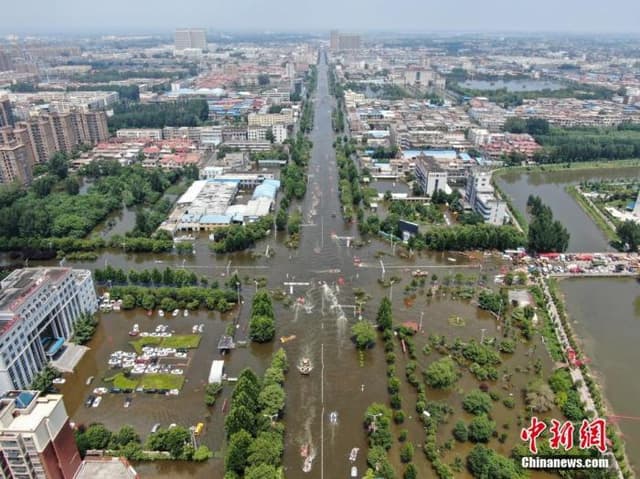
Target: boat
{"x": 99, "y": 391}
{"x": 59, "y": 381}
{"x": 127, "y": 401}
{"x": 306, "y": 467}
{"x": 194, "y": 329}
{"x": 150, "y": 312}
{"x": 185, "y": 313}
{"x": 155, "y": 427}
{"x": 333, "y": 417}
{"x": 354, "y": 471}
{"x": 304, "y": 366}
{"x": 89, "y": 380}
{"x": 419, "y": 273}
{"x": 96, "y": 401}
{"x": 353, "y": 455}
{"x": 135, "y": 331}
{"x": 160, "y": 313}
{"x": 175, "y": 313}
{"x": 286, "y": 339}
{"x": 304, "y": 450}
{"x": 172, "y": 425}
{"x": 453, "y": 260}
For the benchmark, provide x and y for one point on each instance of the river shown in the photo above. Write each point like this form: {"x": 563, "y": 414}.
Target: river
{"x": 551, "y": 187}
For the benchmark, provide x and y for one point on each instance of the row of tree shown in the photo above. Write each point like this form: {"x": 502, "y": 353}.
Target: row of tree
{"x": 146, "y": 277}
{"x": 159, "y": 115}
{"x": 169, "y": 298}
{"x": 240, "y": 237}
{"x": 545, "y": 234}
{"x": 255, "y": 436}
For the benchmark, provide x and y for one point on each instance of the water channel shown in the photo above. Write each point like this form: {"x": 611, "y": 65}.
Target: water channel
{"x": 338, "y": 383}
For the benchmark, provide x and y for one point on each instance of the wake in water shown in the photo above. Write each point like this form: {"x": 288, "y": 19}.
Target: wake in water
{"x": 307, "y": 449}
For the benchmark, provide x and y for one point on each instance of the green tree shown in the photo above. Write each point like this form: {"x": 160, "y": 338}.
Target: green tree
{"x": 124, "y": 436}
{"x": 240, "y": 418}
{"x": 71, "y": 186}
{"x": 410, "y": 472}
{"x": 384, "y": 317}
{"x": 237, "y": 453}
{"x": 629, "y": 234}
{"x": 477, "y": 402}
{"x": 363, "y": 334}
{"x": 262, "y": 329}
{"x": 262, "y": 471}
{"x": 441, "y": 374}
{"x": 481, "y": 428}
{"x": 202, "y": 453}
{"x": 406, "y": 452}
{"x": 97, "y": 436}
{"x": 483, "y": 463}
{"x": 271, "y": 399}
{"x": 267, "y": 448}
{"x": 460, "y": 431}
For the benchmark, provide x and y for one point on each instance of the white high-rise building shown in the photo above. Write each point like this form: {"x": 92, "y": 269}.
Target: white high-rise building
{"x": 38, "y": 309}
{"x": 187, "y": 38}
{"x": 481, "y": 197}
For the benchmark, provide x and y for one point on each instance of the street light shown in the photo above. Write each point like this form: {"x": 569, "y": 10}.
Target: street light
{"x": 238, "y": 290}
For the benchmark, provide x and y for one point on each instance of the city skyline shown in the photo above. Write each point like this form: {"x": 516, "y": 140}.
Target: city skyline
{"x": 408, "y": 16}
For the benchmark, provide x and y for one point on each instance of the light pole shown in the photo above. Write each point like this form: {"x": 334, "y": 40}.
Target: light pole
{"x": 238, "y": 291}
{"x": 482, "y": 335}
{"x": 421, "y": 316}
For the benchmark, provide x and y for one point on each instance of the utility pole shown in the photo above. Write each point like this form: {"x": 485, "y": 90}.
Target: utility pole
{"x": 421, "y": 316}
{"x": 482, "y": 335}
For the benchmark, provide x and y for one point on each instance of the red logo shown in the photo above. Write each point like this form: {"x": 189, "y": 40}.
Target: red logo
{"x": 594, "y": 434}
{"x": 561, "y": 435}
{"x": 532, "y": 432}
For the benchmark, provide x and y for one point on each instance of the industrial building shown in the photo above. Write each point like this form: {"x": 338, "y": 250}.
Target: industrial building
{"x": 38, "y": 310}
{"x": 36, "y": 437}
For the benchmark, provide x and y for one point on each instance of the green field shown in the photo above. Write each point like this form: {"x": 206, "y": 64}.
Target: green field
{"x": 147, "y": 381}
{"x": 184, "y": 341}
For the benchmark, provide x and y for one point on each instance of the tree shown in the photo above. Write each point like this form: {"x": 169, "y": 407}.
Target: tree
{"x": 406, "y": 452}
{"x": 59, "y": 165}
{"x": 384, "y": 317}
{"x": 410, "y": 472}
{"x": 240, "y": 418}
{"x": 442, "y": 373}
{"x": 97, "y": 436}
{"x": 477, "y": 402}
{"x": 545, "y": 234}
{"x": 483, "y": 463}
{"x": 460, "y": 431}
{"x": 262, "y": 471}
{"x": 211, "y": 393}
{"x": 124, "y": 436}
{"x": 481, "y": 428}
{"x": 202, "y": 453}
{"x": 271, "y": 399}
{"x": 71, "y": 186}
{"x": 539, "y": 396}
{"x": 629, "y": 234}
{"x": 377, "y": 459}
{"x": 267, "y": 448}
{"x": 262, "y": 329}
{"x": 363, "y": 334}
{"x": 237, "y": 453}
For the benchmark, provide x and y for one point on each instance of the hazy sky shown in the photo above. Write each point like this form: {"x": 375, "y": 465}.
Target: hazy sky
{"x": 304, "y": 15}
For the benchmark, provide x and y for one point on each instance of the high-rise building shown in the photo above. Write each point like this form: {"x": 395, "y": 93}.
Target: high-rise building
{"x": 5, "y": 62}
{"x": 431, "y": 176}
{"x": 41, "y": 138}
{"x": 38, "y": 309}
{"x": 14, "y": 163}
{"x": 6, "y": 115}
{"x": 36, "y": 439}
{"x": 191, "y": 38}
{"x": 480, "y": 195}
{"x": 344, "y": 41}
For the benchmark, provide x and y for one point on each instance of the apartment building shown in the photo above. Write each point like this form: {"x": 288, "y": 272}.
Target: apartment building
{"x": 14, "y": 163}
{"x": 36, "y": 439}
{"x": 344, "y": 41}
{"x": 6, "y": 114}
{"x": 285, "y": 117}
{"x": 431, "y": 176}
{"x": 481, "y": 197}
{"x": 137, "y": 133}
{"x": 38, "y": 309}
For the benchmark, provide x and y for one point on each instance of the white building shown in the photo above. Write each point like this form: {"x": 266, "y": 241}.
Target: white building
{"x": 38, "y": 309}
{"x": 137, "y": 133}
{"x": 431, "y": 176}
{"x": 280, "y": 133}
{"x": 187, "y": 38}
{"x": 481, "y": 197}
{"x": 285, "y": 117}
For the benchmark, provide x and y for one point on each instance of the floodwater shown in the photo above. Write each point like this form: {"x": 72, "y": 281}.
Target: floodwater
{"x": 551, "y": 187}
{"x": 327, "y": 273}
{"x": 512, "y": 85}
{"x": 605, "y": 315}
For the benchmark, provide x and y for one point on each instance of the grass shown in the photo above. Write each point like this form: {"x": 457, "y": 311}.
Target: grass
{"x": 185, "y": 341}
{"x": 162, "y": 381}
{"x": 122, "y": 382}
{"x": 578, "y": 165}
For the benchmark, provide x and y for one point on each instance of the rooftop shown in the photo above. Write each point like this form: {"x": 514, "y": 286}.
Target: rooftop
{"x": 105, "y": 468}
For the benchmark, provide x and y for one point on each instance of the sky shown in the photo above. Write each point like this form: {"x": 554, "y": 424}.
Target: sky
{"x": 416, "y": 16}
